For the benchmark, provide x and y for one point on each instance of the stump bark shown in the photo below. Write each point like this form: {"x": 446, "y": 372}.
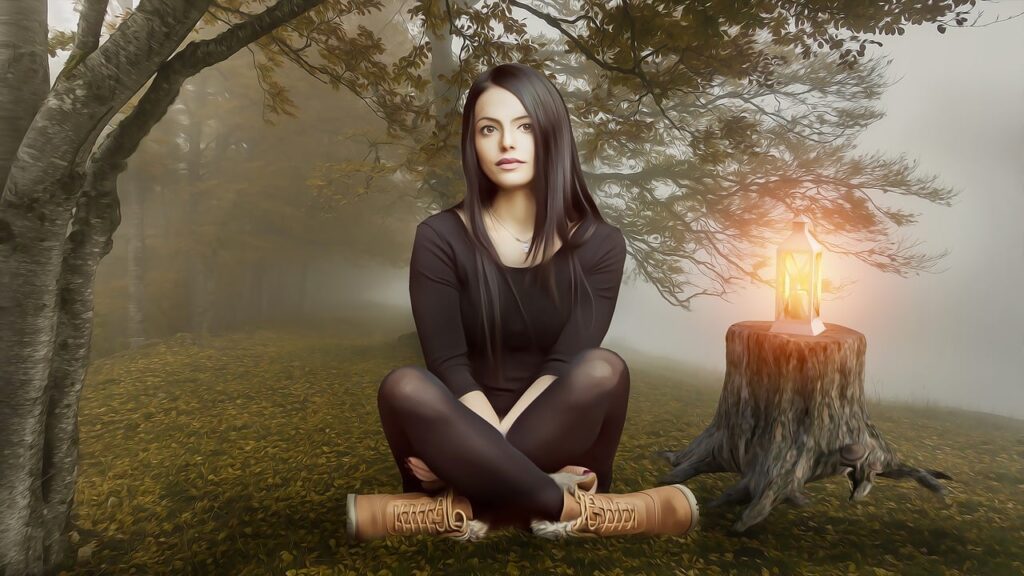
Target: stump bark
{"x": 791, "y": 412}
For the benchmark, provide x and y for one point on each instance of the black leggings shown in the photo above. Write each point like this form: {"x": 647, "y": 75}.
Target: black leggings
{"x": 576, "y": 420}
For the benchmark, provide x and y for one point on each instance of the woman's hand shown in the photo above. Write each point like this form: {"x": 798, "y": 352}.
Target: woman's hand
{"x": 478, "y": 403}
{"x": 420, "y": 469}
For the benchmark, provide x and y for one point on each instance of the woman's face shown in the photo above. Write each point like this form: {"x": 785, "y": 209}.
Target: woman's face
{"x": 502, "y": 129}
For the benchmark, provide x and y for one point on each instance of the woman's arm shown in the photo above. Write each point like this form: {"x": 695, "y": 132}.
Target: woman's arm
{"x": 604, "y": 275}
{"x": 531, "y": 394}
{"x": 478, "y": 403}
{"x": 434, "y": 295}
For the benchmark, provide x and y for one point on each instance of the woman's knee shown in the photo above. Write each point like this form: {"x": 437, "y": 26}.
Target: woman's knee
{"x": 405, "y": 386}
{"x": 604, "y": 368}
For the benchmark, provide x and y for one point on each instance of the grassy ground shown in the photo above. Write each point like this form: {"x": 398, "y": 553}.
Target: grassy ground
{"x": 235, "y": 458}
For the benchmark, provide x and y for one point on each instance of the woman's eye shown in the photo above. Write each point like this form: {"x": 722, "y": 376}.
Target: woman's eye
{"x": 490, "y": 129}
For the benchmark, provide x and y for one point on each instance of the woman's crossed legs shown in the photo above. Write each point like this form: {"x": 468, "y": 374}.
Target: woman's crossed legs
{"x": 578, "y": 419}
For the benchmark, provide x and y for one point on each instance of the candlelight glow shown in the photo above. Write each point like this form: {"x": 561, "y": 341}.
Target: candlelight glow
{"x": 798, "y": 283}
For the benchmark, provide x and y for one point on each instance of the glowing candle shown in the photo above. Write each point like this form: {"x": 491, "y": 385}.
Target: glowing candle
{"x": 799, "y": 305}
{"x": 798, "y": 282}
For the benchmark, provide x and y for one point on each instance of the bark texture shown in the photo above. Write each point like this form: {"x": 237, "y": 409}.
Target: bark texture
{"x": 42, "y": 344}
{"x": 46, "y": 274}
{"x": 791, "y": 412}
{"x": 24, "y": 74}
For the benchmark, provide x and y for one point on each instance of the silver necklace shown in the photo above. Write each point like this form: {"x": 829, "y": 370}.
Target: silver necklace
{"x": 525, "y": 245}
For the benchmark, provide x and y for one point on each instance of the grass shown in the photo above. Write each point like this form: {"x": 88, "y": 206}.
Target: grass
{"x": 235, "y": 457}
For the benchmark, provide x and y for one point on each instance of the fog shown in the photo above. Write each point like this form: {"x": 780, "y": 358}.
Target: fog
{"x": 954, "y": 338}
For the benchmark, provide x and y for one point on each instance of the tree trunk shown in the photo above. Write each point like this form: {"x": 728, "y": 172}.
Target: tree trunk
{"x": 791, "y": 412}
{"x": 442, "y": 181}
{"x": 96, "y": 219}
{"x": 24, "y": 82}
{"x": 136, "y": 209}
{"x": 262, "y": 292}
{"x": 24, "y": 74}
{"x": 46, "y": 275}
{"x": 303, "y": 306}
{"x": 200, "y": 276}
{"x": 36, "y": 202}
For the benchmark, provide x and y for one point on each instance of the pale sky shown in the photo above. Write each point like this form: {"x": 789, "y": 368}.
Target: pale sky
{"x": 955, "y": 338}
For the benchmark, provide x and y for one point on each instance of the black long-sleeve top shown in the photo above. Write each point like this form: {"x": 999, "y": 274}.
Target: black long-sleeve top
{"x": 446, "y": 305}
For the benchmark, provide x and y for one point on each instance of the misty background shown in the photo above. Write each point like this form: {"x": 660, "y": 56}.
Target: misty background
{"x": 954, "y": 338}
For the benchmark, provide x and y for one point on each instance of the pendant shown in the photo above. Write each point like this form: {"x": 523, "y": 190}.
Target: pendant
{"x": 526, "y": 247}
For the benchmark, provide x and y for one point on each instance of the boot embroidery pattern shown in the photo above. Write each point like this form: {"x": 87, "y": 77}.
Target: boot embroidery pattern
{"x": 429, "y": 517}
{"x": 662, "y": 510}
{"x": 608, "y": 514}
{"x": 449, "y": 515}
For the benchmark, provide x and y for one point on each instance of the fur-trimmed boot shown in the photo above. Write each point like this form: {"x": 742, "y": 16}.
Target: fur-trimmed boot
{"x": 664, "y": 510}
{"x": 570, "y": 478}
{"x": 372, "y": 516}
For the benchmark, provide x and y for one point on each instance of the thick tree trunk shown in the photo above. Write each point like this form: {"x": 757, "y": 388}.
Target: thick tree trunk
{"x": 36, "y": 205}
{"x": 24, "y": 83}
{"x": 791, "y": 412}
{"x": 24, "y": 74}
{"x": 96, "y": 218}
{"x": 45, "y": 278}
{"x": 30, "y": 257}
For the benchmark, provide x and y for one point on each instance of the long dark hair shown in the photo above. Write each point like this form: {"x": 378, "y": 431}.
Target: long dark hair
{"x": 558, "y": 186}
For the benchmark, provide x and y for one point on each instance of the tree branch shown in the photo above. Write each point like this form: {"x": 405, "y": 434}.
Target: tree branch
{"x": 124, "y": 139}
{"x": 90, "y": 24}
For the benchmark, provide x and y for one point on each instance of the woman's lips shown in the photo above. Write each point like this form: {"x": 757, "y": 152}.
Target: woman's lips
{"x": 510, "y": 165}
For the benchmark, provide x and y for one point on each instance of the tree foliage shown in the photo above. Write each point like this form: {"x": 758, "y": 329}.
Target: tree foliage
{"x": 705, "y": 127}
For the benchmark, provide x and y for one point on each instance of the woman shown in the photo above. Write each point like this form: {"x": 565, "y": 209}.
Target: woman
{"x": 512, "y": 292}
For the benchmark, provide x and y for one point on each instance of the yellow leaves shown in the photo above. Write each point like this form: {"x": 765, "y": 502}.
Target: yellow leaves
{"x": 236, "y": 458}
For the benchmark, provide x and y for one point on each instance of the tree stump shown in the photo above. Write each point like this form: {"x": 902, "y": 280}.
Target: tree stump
{"x": 791, "y": 412}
